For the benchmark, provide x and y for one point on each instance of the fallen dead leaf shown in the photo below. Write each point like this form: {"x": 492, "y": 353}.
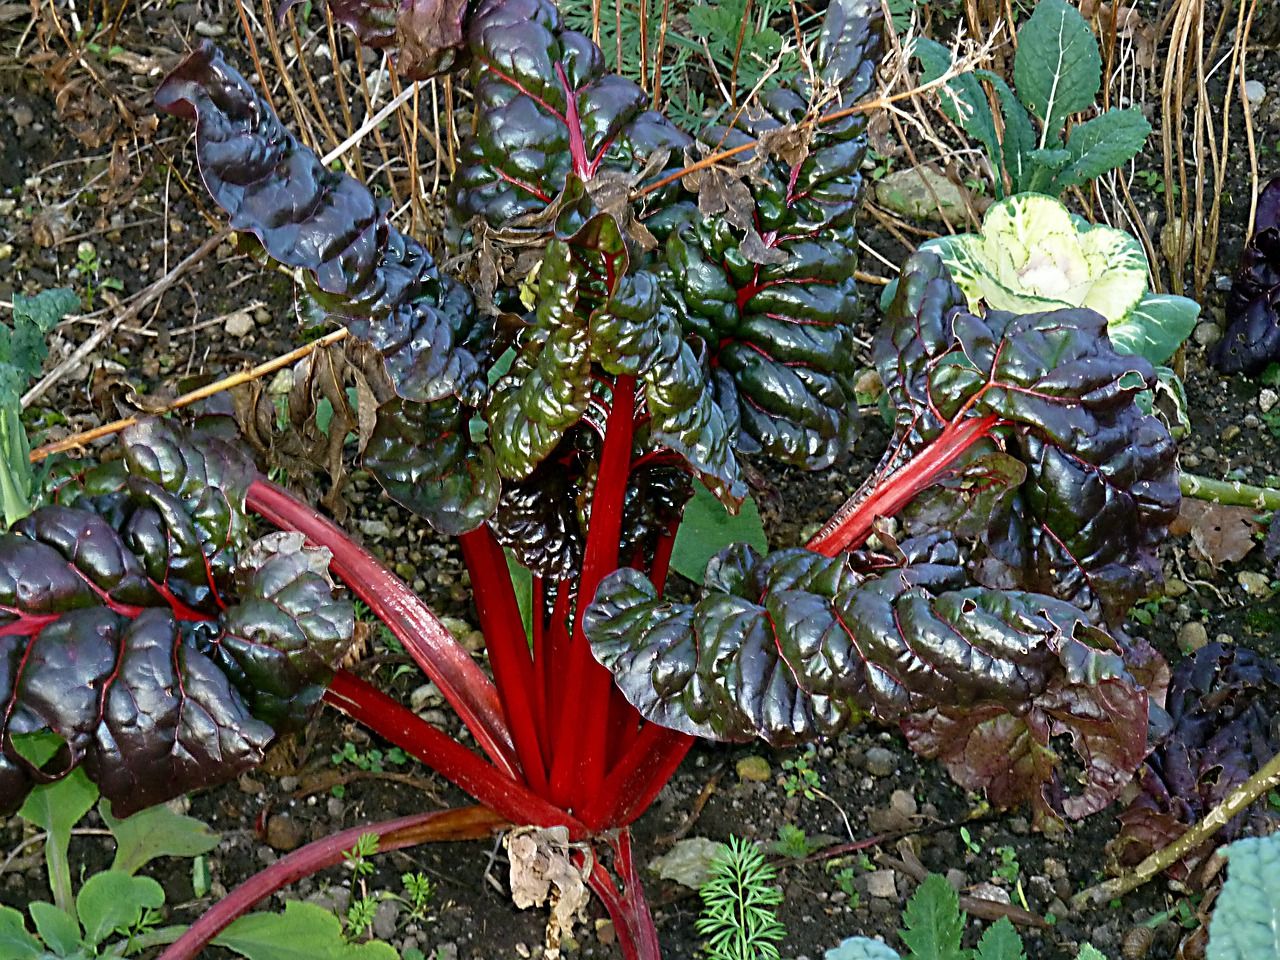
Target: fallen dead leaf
{"x": 542, "y": 871}
{"x": 1219, "y": 533}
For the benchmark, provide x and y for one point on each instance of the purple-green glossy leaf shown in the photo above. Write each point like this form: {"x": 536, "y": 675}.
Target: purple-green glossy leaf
{"x": 380, "y": 283}
{"x": 1100, "y": 487}
{"x": 1252, "y": 339}
{"x": 547, "y": 109}
{"x": 159, "y": 684}
{"x": 788, "y": 648}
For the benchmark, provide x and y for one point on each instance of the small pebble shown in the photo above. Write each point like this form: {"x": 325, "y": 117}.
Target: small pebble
{"x": 1206, "y": 333}
{"x": 1255, "y": 91}
{"x": 605, "y": 932}
{"x": 238, "y": 324}
{"x": 210, "y": 30}
{"x": 882, "y": 884}
{"x": 1267, "y": 399}
{"x": 754, "y": 769}
{"x": 1255, "y": 584}
{"x": 282, "y": 832}
{"x": 1231, "y": 432}
{"x": 1192, "y": 636}
{"x": 1173, "y": 587}
{"x": 880, "y": 762}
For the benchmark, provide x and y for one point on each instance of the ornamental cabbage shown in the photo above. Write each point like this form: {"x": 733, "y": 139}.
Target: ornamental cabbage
{"x": 1034, "y": 255}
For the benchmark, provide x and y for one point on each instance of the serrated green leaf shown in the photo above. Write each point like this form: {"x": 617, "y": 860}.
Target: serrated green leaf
{"x": 1000, "y": 941}
{"x": 46, "y": 308}
{"x": 1089, "y": 952}
{"x": 1057, "y": 70}
{"x": 1156, "y": 327}
{"x": 862, "y": 948}
{"x": 15, "y": 942}
{"x": 112, "y": 901}
{"x": 963, "y": 100}
{"x": 57, "y": 928}
{"x": 933, "y": 923}
{"x": 155, "y": 832}
{"x": 707, "y": 528}
{"x": 1101, "y": 144}
{"x": 1019, "y": 135}
{"x": 303, "y": 931}
{"x": 1246, "y": 919}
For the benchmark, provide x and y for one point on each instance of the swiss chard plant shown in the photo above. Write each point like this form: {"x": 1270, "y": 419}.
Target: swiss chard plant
{"x": 1057, "y": 72}
{"x": 1252, "y": 338}
{"x": 676, "y": 318}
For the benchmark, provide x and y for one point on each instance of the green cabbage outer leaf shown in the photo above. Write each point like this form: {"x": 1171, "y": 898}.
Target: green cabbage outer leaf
{"x": 546, "y": 111}
{"x": 140, "y": 625}
{"x": 763, "y": 269}
{"x": 380, "y": 283}
{"x": 789, "y": 647}
{"x": 1100, "y": 485}
{"x": 1246, "y": 919}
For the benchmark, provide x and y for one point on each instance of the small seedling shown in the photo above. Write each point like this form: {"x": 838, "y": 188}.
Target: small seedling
{"x": 801, "y": 778}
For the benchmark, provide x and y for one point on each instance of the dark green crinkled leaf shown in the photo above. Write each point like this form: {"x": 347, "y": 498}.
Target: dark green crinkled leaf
{"x": 547, "y": 389}
{"x": 537, "y": 519}
{"x": 763, "y": 269}
{"x": 789, "y": 647}
{"x": 380, "y": 283}
{"x": 1101, "y": 485}
{"x": 547, "y": 109}
{"x": 159, "y": 681}
{"x": 425, "y": 458}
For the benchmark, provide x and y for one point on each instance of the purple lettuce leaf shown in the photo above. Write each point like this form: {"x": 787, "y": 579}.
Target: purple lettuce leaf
{"x": 790, "y": 647}
{"x": 1252, "y": 338}
{"x": 157, "y": 686}
{"x": 1223, "y": 702}
{"x": 1100, "y": 484}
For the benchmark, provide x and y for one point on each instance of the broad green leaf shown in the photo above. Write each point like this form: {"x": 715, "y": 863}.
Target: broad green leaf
{"x": 1246, "y": 918}
{"x": 963, "y": 100}
{"x": 1101, "y": 144}
{"x": 46, "y": 308}
{"x": 1019, "y": 135}
{"x": 15, "y": 942}
{"x": 1156, "y": 327}
{"x": 1000, "y": 941}
{"x": 56, "y": 808}
{"x": 707, "y": 528}
{"x": 1057, "y": 70}
{"x": 1043, "y": 166}
{"x": 23, "y": 347}
{"x": 522, "y": 581}
{"x": 1090, "y": 952}
{"x": 57, "y": 928}
{"x": 933, "y": 922}
{"x": 155, "y": 832}
{"x": 862, "y": 948}
{"x": 303, "y": 932}
{"x": 111, "y": 902}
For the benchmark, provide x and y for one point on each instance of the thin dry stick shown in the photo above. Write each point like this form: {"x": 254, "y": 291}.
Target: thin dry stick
{"x": 145, "y": 297}
{"x": 1236, "y": 802}
{"x": 78, "y": 440}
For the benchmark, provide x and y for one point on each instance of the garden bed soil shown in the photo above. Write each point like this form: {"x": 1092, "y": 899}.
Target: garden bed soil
{"x": 55, "y": 192}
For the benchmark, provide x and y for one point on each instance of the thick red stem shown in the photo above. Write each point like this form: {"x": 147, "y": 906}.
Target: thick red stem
{"x": 467, "y": 823}
{"x": 441, "y": 657}
{"x": 850, "y": 526}
{"x": 508, "y": 647}
{"x": 627, "y": 906}
{"x": 581, "y": 744}
{"x": 636, "y": 779}
{"x": 393, "y": 722}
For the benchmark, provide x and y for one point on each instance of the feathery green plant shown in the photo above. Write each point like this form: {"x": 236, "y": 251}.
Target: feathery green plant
{"x": 738, "y": 915}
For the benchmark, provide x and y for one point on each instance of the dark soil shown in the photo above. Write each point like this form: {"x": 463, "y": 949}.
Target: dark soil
{"x": 146, "y": 211}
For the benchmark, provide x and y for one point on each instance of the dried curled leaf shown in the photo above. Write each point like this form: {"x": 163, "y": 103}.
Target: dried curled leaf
{"x": 1252, "y": 339}
{"x": 425, "y": 34}
{"x": 141, "y": 626}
